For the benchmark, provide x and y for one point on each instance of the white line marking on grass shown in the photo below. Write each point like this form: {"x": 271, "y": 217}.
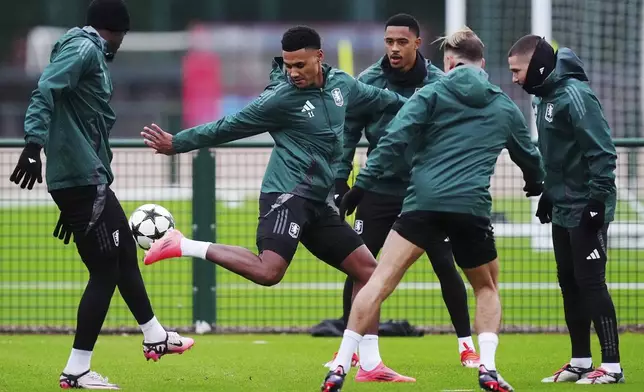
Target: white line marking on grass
{"x": 45, "y": 285}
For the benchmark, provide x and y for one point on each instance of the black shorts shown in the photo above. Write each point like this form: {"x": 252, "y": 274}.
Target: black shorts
{"x": 471, "y": 237}
{"x": 375, "y": 216}
{"x": 286, "y": 219}
{"x": 99, "y": 224}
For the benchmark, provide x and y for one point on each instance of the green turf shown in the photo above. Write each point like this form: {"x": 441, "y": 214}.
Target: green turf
{"x": 294, "y": 363}
{"x": 41, "y": 280}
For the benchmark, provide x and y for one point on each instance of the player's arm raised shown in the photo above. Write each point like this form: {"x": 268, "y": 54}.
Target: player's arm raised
{"x": 593, "y": 135}
{"x": 525, "y": 154}
{"x": 400, "y": 132}
{"x": 261, "y": 115}
{"x": 382, "y": 161}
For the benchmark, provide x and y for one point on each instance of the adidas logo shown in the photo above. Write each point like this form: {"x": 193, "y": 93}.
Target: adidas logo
{"x": 594, "y": 255}
{"x": 541, "y": 70}
{"x": 592, "y": 214}
{"x": 308, "y": 108}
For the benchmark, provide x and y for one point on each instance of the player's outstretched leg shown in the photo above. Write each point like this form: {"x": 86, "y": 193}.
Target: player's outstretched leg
{"x": 455, "y": 298}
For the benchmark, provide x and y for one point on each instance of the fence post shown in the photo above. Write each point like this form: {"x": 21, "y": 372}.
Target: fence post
{"x": 203, "y": 229}
{"x": 174, "y": 125}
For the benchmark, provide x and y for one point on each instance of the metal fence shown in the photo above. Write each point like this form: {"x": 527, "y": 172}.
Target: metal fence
{"x": 213, "y": 196}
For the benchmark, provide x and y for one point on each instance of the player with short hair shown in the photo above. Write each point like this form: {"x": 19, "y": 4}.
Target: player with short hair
{"x": 70, "y": 116}
{"x": 457, "y": 127}
{"x": 402, "y": 69}
{"x": 579, "y": 199}
{"x": 303, "y": 109}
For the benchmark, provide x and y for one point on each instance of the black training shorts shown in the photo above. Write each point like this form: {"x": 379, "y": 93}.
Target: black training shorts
{"x": 286, "y": 219}
{"x": 471, "y": 237}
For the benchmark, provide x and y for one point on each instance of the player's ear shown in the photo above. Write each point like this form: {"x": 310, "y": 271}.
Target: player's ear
{"x": 418, "y": 41}
{"x": 483, "y": 62}
{"x": 320, "y": 55}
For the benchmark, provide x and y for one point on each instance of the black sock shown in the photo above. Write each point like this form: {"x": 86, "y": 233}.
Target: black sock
{"x": 347, "y": 295}
{"x": 454, "y": 294}
{"x": 130, "y": 283}
{"x": 92, "y": 310}
{"x": 577, "y": 319}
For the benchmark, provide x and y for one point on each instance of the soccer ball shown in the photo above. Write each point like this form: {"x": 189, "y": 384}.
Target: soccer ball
{"x": 149, "y": 223}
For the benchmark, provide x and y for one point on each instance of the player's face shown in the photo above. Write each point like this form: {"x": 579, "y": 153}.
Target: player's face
{"x": 401, "y": 45}
{"x": 303, "y": 66}
{"x": 519, "y": 68}
{"x": 114, "y": 40}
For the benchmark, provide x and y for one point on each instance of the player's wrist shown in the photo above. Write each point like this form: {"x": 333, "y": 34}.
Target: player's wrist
{"x": 33, "y": 147}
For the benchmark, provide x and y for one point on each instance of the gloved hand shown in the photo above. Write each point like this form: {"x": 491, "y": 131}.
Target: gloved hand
{"x": 533, "y": 189}
{"x": 62, "y": 231}
{"x": 341, "y": 188}
{"x": 350, "y": 201}
{"x": 29, "y": 167}
{"x": 594, "y": 215}
{"x": 544, "y": 209}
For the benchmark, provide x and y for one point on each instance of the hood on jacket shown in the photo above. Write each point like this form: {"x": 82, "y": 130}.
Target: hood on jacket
{"x": 471, "y": 86}
{"x": 76, "y": 33}
{"x": 568, "y": 66}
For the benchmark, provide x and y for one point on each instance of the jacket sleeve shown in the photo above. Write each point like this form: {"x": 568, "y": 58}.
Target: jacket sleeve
{"x": 60, "y": 76}
{"x": 364, "y": 99}
{"x": 384, "y": 161}
{"x": 523, "y": 151}
{"x": 261, "y": 115}
{"x": 593, "y": 136}
{"x": 353, "y": 129}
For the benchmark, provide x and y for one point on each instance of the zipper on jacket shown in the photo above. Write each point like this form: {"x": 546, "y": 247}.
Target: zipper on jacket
{"x": 326, "y": 112}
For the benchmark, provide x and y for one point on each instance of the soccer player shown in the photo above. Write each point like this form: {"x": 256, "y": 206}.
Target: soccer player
{"x": 458, "y": 126}
{"x": 304, "y": 113}
{"x": 70, "y": 116}
{"x": 579, "y": 199}
{"x": 404, "y": 70}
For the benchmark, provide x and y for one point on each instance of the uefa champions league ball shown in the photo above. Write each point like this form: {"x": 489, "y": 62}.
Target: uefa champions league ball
{"x": 149, "y": 223}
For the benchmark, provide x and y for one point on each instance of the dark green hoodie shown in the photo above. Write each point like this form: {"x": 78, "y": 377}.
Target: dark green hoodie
{"x": 459, "y": 125}
{"x": 306, "y": 124}
{"x": 575, "y": 141}
{"x": 381, "y": 75}
{"x": 70, "y": 115}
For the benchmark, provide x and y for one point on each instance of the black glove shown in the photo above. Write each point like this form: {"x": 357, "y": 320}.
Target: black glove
{"x": 62, "y": 231}
{"x": 350, "y": 201}
{"x": 544, "y": 209}
{"x": 594, "y": 215}
{"x": 533, "y": 189}
{"x": 29, "y": 167}
{"x": 341, "y": 188}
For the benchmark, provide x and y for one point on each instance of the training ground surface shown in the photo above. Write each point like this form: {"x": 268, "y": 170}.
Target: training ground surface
{"x": 294, "y": 363}
{"x": 42, "y": 280}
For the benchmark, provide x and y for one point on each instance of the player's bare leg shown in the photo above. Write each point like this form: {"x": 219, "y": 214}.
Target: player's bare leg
{"x": 398, "y": 255}
{"x": 484, "y": 281}
{"x": 267, "y": 269}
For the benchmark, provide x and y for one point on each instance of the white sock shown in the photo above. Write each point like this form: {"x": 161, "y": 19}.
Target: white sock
{"x": 369, "y": 352}
{"x": 488, "y": 342}
{"x": 78, "y": 362}
{"x": 581, "y": 362}
{"x": 612, "y": 367}
{"x": 465, "y": 343}
{"x": 192, "y": 248}
{"x": 153, "y": 332}
{"x": 349, "y": 345}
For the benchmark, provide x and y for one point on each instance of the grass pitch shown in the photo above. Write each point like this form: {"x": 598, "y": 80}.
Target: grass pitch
{"x": 246, "y": 363}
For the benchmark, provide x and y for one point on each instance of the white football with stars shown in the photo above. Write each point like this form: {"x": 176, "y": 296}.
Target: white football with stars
{"x": 149, "y": 223}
